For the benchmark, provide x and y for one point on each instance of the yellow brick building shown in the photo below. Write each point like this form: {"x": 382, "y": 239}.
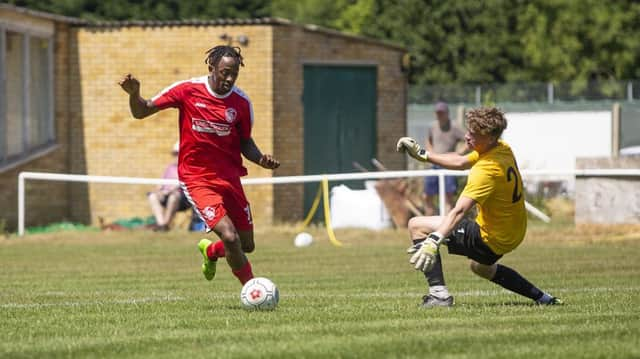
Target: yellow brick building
{"x": 94, "y": 133}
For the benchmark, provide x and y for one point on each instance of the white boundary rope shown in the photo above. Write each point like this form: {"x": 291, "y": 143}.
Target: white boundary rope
{"x": 23, "y": 176}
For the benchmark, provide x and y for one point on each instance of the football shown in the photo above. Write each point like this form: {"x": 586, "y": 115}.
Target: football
{"x": 259, "y": 294}
{"x": 303, "y": 239}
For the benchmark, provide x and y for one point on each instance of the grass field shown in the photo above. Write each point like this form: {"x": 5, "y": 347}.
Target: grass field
{"x": 141, "y": 294}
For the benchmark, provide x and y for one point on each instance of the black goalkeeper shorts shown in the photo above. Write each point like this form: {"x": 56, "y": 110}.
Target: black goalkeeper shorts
{"x": 465, "y": 240}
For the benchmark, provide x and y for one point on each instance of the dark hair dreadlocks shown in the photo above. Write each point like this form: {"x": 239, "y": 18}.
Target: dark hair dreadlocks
{"x": 214, "y": 54}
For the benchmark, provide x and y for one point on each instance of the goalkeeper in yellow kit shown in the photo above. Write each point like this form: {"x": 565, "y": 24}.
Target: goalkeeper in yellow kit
{"x": 495, "y": 186}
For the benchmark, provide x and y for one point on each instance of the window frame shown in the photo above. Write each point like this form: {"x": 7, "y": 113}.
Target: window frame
{"x": 29, "y": 152}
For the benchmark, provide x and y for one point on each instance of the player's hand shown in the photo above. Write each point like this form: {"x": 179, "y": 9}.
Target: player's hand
{"x": 130, "y": 84}
{"x": 425, "y": 253}
{"x": 414, "y": 248}
{"x": 268, "y": 162}
{"x": 411, "y": 147}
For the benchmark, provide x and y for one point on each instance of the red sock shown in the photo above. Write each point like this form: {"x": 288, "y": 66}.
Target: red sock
{"x": 216, "y": 250}
{"x": 244, "y": 274}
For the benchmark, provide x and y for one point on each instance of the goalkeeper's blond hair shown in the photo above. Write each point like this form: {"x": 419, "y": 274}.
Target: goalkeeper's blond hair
{"x": 486, "y": 121}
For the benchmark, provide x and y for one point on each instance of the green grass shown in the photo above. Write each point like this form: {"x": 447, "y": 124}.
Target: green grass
{"x": 142, "y": 294}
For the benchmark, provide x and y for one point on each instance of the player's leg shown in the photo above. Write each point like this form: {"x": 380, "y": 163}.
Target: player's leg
{"x": 235, "y": 230}
{"x": 224, "y": 210}
{"x": 207, "y": 205}
{"x": 419, "y": 229}
{"x": 513, "y": 281}
{"x": 466, "y": 240}
{"x": 230, "y": 238}
{"x": 246, "y": 241}
{"x": 234, "y": 253}
{"x": 240, "y": 213}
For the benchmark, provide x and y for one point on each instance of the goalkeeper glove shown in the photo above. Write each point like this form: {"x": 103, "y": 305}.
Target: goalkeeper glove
{"x": 412, "y": 147}
{"x": 425, "y": 253}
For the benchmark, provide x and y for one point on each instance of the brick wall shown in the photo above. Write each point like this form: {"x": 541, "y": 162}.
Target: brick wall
{"x": 98, "y": 136}
{"x": 46, "y": 201}
{"x": 107, "y": 140}
{"x": 295, "y": 46}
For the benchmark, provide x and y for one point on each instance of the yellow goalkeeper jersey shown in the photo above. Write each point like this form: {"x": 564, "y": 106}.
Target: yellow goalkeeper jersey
{"x": 495, "y": 184}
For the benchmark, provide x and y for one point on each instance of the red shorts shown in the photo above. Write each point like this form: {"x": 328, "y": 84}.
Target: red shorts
{"x": 214, "y": 199}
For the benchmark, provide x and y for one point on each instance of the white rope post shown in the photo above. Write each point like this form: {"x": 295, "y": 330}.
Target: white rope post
{"x": 441, "y": 194}
{"x": 21, "y": 204}
{"x": 24, "y": 176}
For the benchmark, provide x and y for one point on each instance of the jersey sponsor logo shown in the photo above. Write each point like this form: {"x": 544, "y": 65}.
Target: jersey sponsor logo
{"x": 209, "y": 213}
{"x": 230, "y": 114}
{"x": 200, "y": 104}
{"x": 220, "y": 129}
{"x": 460, "y": 230}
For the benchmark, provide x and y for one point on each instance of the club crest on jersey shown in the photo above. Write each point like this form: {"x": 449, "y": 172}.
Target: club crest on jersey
{"x": 230, "y": 114}
{"x": 209, "y": 212}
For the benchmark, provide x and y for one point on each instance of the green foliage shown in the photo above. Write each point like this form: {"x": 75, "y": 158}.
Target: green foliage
{"x": 468, "y": 41}
{"x": 561, "y": 41}
{"x": 463, "y": 41}
{"x": 141, "y": 295}
{"x": 151, "y": 9}
{"x": 345, "y": 15}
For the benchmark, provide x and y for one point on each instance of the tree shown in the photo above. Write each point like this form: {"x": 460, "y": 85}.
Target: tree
{"x": 151, "y": 9}
{"x": 561, "y": 41}
{"x": 462, "y": 41}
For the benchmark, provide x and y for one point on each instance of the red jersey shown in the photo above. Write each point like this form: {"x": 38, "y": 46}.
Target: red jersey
{"x": 211, "y": 127}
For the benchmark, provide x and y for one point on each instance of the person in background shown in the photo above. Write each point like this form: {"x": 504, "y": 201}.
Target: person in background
{"x": 168, "y": 199}
{"x": 442, "y": 137}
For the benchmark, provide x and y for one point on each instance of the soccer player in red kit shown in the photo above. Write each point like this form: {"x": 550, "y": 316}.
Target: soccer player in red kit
{"x": 215, "y": 130}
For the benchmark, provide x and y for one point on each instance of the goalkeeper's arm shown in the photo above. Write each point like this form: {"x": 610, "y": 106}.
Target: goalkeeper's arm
{"x": 451, "y": 160}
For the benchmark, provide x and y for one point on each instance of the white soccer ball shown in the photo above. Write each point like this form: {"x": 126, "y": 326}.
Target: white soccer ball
{"x": 259, "y": 294}
{"x": 303, "y": 239}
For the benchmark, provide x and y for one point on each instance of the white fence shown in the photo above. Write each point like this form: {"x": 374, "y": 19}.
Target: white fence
{"x": 304, "y": 179}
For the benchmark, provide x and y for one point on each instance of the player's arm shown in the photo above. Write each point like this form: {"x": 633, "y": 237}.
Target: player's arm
{"x": 451, "y": 160}
{"x": 140, "y": 108}
{"x": 451, "y": 220}
{"x": 425, "y": 253}
{"x": 251, "y": 152}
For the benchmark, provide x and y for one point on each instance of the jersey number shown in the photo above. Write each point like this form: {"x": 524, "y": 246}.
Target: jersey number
{"x": 515, "y": 197}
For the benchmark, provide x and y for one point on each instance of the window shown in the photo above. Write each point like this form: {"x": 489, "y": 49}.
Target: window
{"x": 26, "y": 95}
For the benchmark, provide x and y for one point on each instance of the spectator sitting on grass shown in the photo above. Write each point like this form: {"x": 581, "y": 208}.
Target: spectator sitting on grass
{"x": 168, "y": 199}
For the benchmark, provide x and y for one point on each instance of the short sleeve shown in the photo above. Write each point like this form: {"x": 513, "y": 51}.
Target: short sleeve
{"x": 170, "y": 96}
{"x": 473, "y": 157}
{"x": 479, "y": 186}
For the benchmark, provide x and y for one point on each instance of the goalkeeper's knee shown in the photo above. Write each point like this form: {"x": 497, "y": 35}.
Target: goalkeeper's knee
{"x": 485, "y": 271}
